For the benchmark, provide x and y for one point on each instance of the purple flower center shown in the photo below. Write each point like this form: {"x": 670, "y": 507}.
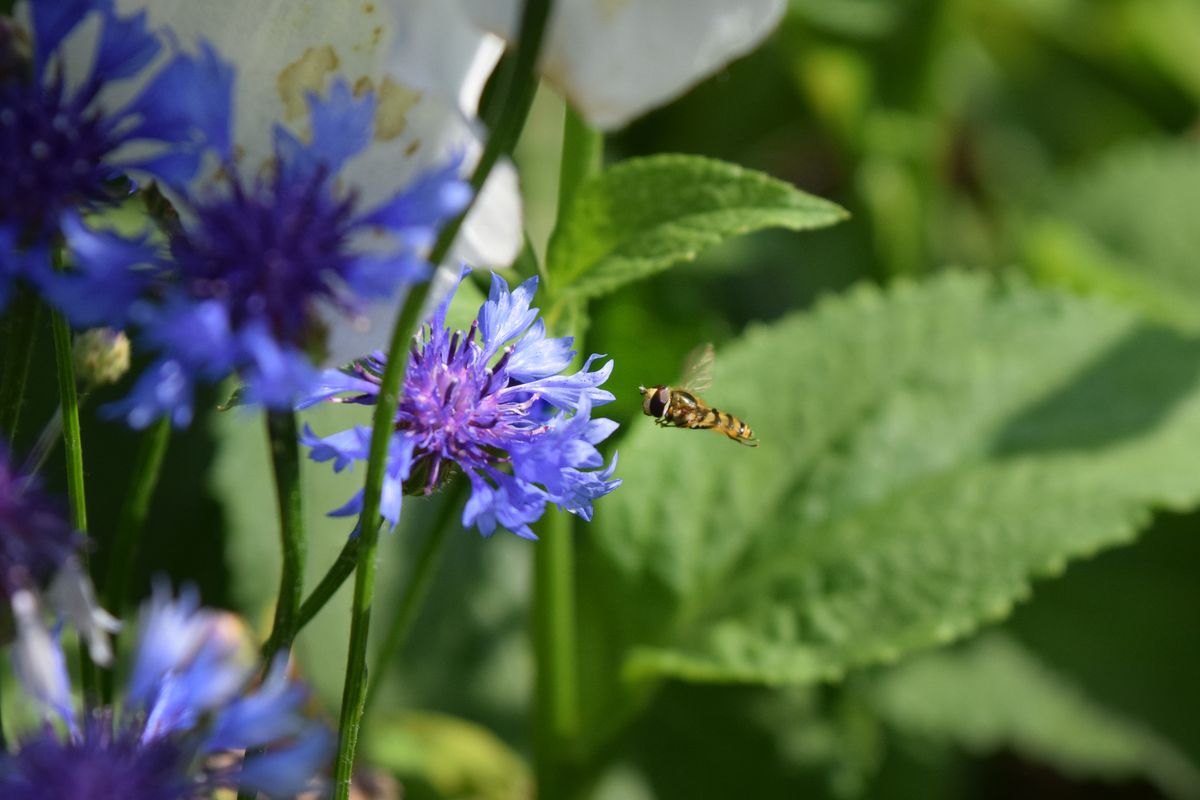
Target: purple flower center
{"x": 51, "y": 154}
{"x": 451, "y": 412}
{"x": 266, "y": 254}
{"x": 102, "y": 765}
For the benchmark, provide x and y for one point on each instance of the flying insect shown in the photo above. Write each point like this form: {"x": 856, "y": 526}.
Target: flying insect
{"x": 674, "y": 407}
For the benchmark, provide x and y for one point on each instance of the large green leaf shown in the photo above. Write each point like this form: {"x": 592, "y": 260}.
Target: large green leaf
{"x": 1124, "y": 228}
{"x": 995, "y": 695}
{"x": 646, "y": 214}
{"x": 925, "y": 453}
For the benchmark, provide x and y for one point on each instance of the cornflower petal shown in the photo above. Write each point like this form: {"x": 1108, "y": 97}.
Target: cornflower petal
{"x": 506, "y": 314}
{"x": 459, "y": 408}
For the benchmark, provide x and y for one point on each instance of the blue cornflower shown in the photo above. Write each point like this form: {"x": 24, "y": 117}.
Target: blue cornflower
{"x": 257, "y": 261}
{"x": 40, "y": 567}
{"x": 187, "y": 716}
{"x": 67, "y": 134}
{"x": 486, "y": 407}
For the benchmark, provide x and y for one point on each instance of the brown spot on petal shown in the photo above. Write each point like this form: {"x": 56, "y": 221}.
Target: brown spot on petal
{"x": 391, "y": 113}
{"x": 413, "y": 147}
{"x": 304, "y": 75}
{"x": 369, "y": 8}
{"x": 610, "y": 9}
{"x": 362, "y": 86}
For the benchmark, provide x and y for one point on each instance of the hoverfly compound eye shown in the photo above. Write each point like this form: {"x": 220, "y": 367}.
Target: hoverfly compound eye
{"x": 659, "y": 400}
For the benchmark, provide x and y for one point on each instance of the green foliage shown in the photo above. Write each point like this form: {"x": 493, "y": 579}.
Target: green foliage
{"x": 444, "y": 757}
{"x": 1125, "y": 228}
{"x": 645, "y": 215}
{"x": 994, "y": 694}
{"x": 925, "y": 453}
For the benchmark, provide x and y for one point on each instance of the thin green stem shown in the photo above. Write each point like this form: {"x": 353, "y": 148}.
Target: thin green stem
{"x": 582, "y": 152}
{"x": 285, "y": 458}
{"x": 73, "y": 449}
{"x": 418, "y": 585}
{"x": 557, "y": 687}
{"x": 554, "y": 617}
{"x": 50, "y": 435}
{"x": 516, "y": 100}
{"x": 338, "y": 571}
{"x": 19, "y": 335}
{"x": 134, "y": 510}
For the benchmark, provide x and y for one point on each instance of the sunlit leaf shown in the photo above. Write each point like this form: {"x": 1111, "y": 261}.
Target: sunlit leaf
{"x": 645, "y": 215}
{"x": 926, "y": 452}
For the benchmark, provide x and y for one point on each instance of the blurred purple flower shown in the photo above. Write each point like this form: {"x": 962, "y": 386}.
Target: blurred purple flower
{"x": 254, "y": 265}
{"x": 493, "y": 418}
{"x": 40, "y": 571}
{"x": 65, "y": 138}
{"x": 188, "y": 715}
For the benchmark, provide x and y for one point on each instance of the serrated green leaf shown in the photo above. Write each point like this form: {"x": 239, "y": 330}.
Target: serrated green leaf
{"x": 925, "y": 453}
{"x": 1124, "y": 229}
{"x": 647, "y": 214}
{"x": 996, "y": 695}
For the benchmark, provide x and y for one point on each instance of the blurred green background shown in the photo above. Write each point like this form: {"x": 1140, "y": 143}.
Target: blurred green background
{"x": 1052, "y": 138}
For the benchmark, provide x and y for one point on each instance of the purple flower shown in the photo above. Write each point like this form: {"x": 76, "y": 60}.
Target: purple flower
{"x": 40, "y": 572}
{"x": 188, "y": 715}
{"x": 65, "y": 136}
{"x": 490, "y": 402}
{"x": 258, "y": 261}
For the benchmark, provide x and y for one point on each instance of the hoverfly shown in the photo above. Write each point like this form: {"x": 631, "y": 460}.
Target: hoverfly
{"x": 681, "y": 408}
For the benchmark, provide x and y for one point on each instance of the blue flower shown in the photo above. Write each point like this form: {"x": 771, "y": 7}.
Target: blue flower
{"x": 65, "y": 140}
{"x": 490, "y": 402}
{"x": 257, "y": 263}
{"x": 183, "y": 724}
{"x": 40, "y": 572}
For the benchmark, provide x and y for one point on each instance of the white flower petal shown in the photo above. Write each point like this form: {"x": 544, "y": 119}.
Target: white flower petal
{"x": 491, "y": 234}
{"x": 616, "y": 59}
{"x": 37, "y": 658}
{"x": 71, "y": 595}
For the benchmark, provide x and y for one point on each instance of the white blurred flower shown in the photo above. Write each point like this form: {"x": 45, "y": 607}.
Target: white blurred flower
{"x": 614, "y": 60}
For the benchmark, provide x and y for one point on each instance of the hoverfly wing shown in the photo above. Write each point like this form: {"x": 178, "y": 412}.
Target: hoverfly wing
{"x": 697, "y": 369}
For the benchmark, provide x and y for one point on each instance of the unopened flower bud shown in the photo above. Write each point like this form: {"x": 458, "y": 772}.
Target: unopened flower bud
{"x": 101, "y": 356}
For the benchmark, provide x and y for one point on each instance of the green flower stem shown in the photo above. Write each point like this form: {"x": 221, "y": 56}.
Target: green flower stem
{"x": 333, "y": 580}
{"x": 136, "y": 507}
{"x": 583, "y": 149}
{"x": 20, "y": 331}
{"x": 285, "y": 458}
{"x": 73, "y": 449}
{"x": 554, "y": 643}
{"x": 418, "y": 584}
{"x": 554, "y": 617}
{"x": 516, "y": 101}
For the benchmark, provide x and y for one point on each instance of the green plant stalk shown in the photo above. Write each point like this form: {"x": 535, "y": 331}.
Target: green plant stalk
{"x": 134, "y": 510}
{"x": 333, "y": 579}
{"x": 417, "y": 588}
{"x": 73, "y": 449}
{"x": 555, "y": 644}
{"x": 516, "y": 101}
{"x": 285, "y": 460}
{"x": 20, "y": 333}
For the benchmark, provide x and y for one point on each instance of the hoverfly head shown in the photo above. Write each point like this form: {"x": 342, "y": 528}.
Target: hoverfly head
{"x": 655, "y": 400}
